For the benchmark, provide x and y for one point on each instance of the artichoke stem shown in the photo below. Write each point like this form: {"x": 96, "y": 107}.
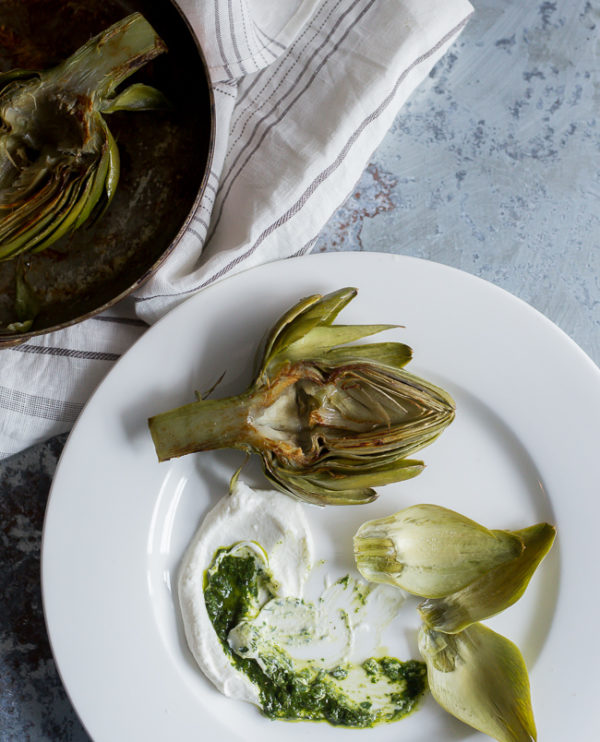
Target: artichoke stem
{"x": 376, "y": 558}
{"x": 201, "y": 426}
{"x": 109, "y": 58}
{"x": 374, "y": 548}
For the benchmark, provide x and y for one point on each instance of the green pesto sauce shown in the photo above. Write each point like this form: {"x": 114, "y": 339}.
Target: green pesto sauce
{"x": 231, "y": 589}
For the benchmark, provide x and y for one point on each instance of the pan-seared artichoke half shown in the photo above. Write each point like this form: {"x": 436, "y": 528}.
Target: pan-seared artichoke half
{"x": 59, "y": 163}
{"x": 329, "y": 420}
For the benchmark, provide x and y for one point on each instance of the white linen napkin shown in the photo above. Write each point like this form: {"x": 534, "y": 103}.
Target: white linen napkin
{"x": 304, "y": 91}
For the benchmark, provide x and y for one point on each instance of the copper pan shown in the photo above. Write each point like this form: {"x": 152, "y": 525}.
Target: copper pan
{"x": 165, "y": 160}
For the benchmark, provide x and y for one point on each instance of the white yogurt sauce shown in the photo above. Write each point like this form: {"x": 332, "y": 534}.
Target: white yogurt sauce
{"x": 270, "y": 519}
{"x": 340, "y": 625}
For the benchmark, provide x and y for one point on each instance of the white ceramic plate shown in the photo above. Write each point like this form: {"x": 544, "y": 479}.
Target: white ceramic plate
{"x": 524, "y": 447}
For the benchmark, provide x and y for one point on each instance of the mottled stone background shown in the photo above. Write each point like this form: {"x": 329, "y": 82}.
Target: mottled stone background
{"x": 492, "y": 167}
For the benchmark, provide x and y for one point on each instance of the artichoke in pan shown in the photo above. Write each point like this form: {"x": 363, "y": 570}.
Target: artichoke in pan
{"x": 59, "y": 163}
{"x": 329, "y": 420}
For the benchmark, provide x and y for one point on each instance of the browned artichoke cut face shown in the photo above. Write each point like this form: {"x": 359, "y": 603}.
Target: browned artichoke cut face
{"x": 347, "y": 410}
{"x": 330, "y": 420}
{"x": 51, "y": 155}
{"x": 41, "y": 122}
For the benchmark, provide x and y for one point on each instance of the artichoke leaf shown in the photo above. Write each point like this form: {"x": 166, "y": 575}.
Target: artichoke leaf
{"x": 137, "y": 97}
{"x": 27, "y": 304}
{"x": 43, "y": 223}
{"x": 15, "y": 327}
{"x": 114, "y": 165}
{"x": 96, "y": 187}
{"x": 339, "y": 480}
{"x": 301, "y": 319}
{"x": 76, "y": 197}
{"x": 16, "y": 74}
{"x": 271, "y": 341}
{"x": 331, "y": 305}
{"x": 396, "y": 355}
{"x": 320, "y": 339}
{"x": 480, "y": 677}
{"x": 308, "y": 491}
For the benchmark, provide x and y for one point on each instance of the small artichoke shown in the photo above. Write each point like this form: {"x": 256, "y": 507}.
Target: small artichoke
{"x": 495, "y": 590}
{"x": 329, "y": 420}
{"x": 480, "y": 677}
{"x": 430, "y": 551}
{"x": 59, "y": 163}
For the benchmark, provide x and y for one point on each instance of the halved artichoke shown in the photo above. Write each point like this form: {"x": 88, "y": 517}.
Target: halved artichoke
{"x": 495, "y": 590}
{"x": 430, "y": 551}
{"x": 329, "y": 422}
{"x": 59, "y": 163}
{"x": 481, "y": 678}
{"x": 467, "y": 572}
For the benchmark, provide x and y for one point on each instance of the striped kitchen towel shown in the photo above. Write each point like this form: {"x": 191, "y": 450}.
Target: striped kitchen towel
{"x": 304, "y": 92}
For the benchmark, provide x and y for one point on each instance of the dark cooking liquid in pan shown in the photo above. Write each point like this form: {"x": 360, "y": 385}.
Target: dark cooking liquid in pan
{"x": 164, "y": 156}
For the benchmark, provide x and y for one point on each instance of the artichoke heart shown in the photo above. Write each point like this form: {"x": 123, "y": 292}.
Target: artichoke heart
{"x": 480, "y": 677}
{"x": 59, "y": 163}
{"x": 495, "y": 590}
{"x": 430, "y": 551}
{"x": 329, "y": 420}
